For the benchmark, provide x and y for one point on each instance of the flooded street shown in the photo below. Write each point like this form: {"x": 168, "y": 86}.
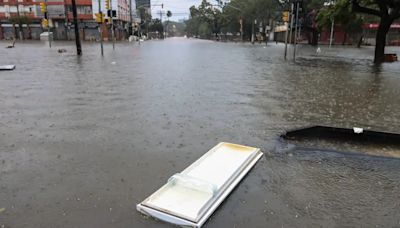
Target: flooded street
{"x": 83, "y": 140}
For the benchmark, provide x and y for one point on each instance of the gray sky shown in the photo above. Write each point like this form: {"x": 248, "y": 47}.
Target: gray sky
{"x": 179, "y": 8}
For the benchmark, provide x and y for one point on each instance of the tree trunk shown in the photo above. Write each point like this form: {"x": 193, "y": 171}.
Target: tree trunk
{"x": 360, "y": 41}
{"x": 314, "y": 41}
{"x": 29, "y": 31}
{"x": 383, "y": 29}
{"x": 344, "y": 37}
{"x": 14, "y": 32}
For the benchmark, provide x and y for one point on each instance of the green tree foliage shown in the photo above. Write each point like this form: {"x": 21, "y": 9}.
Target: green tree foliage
{"x": 175, "y": 28}
{"x": 387, "y": 11}
{"x": 216, "y": 17}
{"x": 344, "y": 11}
{"x": 20, "y": 19}
{"x": 156, "y": 26}
{"x": 204, "y": 20}
{"x": 342, "y": 15}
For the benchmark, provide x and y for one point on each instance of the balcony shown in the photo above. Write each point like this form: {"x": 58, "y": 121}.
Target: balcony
{"x": 80, "y": 2}
{"x": 81, "y": 16}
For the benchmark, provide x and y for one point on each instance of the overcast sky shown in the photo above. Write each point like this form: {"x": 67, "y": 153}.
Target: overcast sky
{"x": 179, "y": 8}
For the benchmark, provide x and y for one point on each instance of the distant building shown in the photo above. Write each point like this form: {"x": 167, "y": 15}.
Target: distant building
{"x": 122, "y": 19}
{"x": 60, "y": 18}
{"x": 29, "y": 14}
{"x": 143, "y": 3}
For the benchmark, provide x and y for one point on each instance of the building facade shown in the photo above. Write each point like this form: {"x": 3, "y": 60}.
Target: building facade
{"x": 22, "y": 19}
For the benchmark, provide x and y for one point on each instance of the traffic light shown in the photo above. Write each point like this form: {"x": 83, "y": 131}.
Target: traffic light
{"x": 162, "y": 6}
{"x": 100, "y": 18}
{"x": 45, "y": 23}
{"x": 107, "y": 4}
{"x": 285, "y": 16}
{"x": 42, "y": 7}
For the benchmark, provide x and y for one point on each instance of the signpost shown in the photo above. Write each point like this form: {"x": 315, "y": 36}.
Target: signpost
{"x": 285, "y": 17}
{"x": 295, "y": 31}
{"x": 76, "y": 28}
{"x": 100, "y": 20}
{"x": 110, "y": 15}
{"x": 45, "y": 21}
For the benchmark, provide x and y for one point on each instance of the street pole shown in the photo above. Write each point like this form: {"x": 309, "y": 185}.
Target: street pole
{"x": 66, "y": 26}
{"x": 299, "y": 34}
{"x": 241, "y": 28}
{"x": 100, "y": 24}
{"x": 48, "y": 26}
{"x": 19, "y": 23}
{"x": 166, "y": 32}
{"x": 161, "y": 13}
{"x": 332, "y": 28}
{"x": 295, "y": 31}
{"x": 252, "y": 32}
{"x": 112, "y": 25}
{"x": 291, "y": 22}
{"x": 76, "y": 28}
{"x": 130, "y": 18}
{"x": 286, "y": 38}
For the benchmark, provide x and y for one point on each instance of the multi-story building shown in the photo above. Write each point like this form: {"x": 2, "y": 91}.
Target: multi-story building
{"x": 22, "y": 18}
{"x": 145, "y": 4}
{"x": 16, "y": 17}
{"x": 122, "y": 18}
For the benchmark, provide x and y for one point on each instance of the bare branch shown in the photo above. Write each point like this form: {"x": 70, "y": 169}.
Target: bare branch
{"x": 360, "y": 9}
{"x": 382, "y": 4}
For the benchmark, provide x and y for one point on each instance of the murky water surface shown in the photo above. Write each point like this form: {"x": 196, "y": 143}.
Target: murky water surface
{"x": 83, "y": 140}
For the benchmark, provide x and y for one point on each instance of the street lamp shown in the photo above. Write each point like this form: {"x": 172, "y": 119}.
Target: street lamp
{"x": 328, "y": 4}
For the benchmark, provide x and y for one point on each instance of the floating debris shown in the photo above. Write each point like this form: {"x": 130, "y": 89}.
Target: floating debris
{"x": 7, "y": 67}
{"x": 190, "y": 197}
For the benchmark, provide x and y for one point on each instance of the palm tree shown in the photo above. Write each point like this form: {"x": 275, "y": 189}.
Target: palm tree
{"x": 169, "y": 14}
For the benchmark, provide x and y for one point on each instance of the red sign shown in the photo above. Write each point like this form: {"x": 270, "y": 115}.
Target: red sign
{"x": 376, "y": 25}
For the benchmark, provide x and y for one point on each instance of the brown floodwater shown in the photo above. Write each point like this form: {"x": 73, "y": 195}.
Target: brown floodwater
{"x": 84, "y": 139}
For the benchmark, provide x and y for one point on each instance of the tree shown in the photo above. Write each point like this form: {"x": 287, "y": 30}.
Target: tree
{"x": 388, "y": 11}
{"x": 204, "y": 20}
{"x": 20, "y": 20}
{"x": 156, "y": 26}
{"x": 175, "y": 29}
{"x": 310, "y": 10}
{"x": 342, "y": 15}
{"x": 249, "y": 11}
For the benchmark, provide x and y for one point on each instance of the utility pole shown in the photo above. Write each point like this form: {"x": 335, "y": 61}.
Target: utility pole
{"x": 19, "y": 23}
{"x": 112, "y": 24}
{"x": 286, "y": 39}
{"x": 47, "y": 16}
{"x": 253, "y": 31}
{"x": 332, "y": 28}
{"x": 66, "y": 25}
{"x": 241, "y": 28}
{"x": 291, "y": 23}
{"x": 286, "y": 19}
{"x": 100, "y": 24}
{"x": 76, "y": 28}
{"x": 130, "y": 18}
{"x": 161, "y": 14}
{"x": 295, "y": 30}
